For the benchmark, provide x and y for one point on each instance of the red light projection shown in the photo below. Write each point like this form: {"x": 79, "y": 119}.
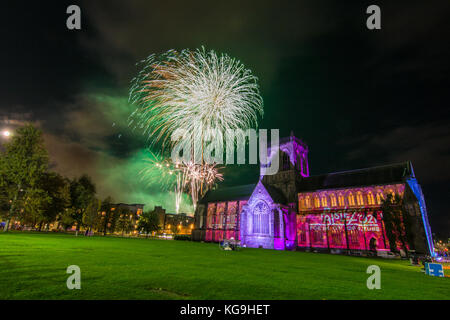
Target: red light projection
{"x": 222, "y": 220}
{"x": 357, "y": 230}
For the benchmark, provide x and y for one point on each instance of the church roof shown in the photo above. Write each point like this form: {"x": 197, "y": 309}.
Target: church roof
{"x": 276, "y": 194}
{"x": 387, "y": 174}
{"x": 242, "y": 192}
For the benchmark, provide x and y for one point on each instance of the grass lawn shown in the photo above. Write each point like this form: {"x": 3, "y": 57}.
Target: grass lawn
{"x": 33, "y": 266}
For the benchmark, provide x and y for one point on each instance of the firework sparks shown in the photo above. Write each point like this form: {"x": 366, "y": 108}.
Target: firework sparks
{"x": 197, "y": 91}
{"x": 201, "y": 93}
{"x": 181, "y": 177}
{"x": 199, "y": 178}
{"x": 158, "y": 169}
{"x": 169, "y": 176}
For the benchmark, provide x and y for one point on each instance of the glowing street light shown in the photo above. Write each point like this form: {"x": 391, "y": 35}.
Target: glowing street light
{"x": 6, "y": 133}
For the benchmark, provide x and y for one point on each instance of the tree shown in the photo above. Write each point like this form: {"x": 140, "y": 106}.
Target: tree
{"x": 57, "y": 188}
{"x": 175, "y": 226}
{"x": 35, "y": 202}
{"x": 22, "y": 164}
{"x": 108, "y": 218}
{"x": 148, "y": 222}
{"x": 125, "y": 220}
{"x": 91, "y": 214}
{"x": 82, "y": 193}
{"x": 66, "y": 218}
{"x": 393, "y": 217}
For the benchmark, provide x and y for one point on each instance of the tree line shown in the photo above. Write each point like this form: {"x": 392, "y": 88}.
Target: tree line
{"x": 37, "y": 197}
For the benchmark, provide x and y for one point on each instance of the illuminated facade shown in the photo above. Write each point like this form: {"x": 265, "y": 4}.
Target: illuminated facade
{"x": 136, "y": 209}
{"x": 335, "y": 212}
{"x": 344, "y": 218}
{"x": 178, "y": 223}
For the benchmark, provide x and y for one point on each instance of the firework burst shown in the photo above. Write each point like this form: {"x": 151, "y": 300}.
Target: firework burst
{"x": 195, "y": 179}
{"x": 201, "y": 93}
{"x": 197, "y": 91}
{"x": 168, "y": 175}
{"x": 158, "y": 169}
{"x": 199, "y": 178}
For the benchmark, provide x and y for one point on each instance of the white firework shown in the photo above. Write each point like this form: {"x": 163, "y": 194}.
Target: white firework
{"x": 198, "y": 91}
{"x": 201, "y": 93}
{"x": 195, "y": 179}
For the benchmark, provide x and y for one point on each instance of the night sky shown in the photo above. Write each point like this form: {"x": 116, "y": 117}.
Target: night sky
{"x": 357, "y": 97}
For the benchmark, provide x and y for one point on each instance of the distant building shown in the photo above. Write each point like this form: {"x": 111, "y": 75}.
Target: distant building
{"x": 136, "y": 208}
{"x": 170, "y": 222}
{"x": 161, "y": 213}
{"x": 182, "y": 223}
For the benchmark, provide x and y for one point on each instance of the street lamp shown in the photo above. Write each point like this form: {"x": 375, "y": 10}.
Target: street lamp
{"x": 6, "y": 133}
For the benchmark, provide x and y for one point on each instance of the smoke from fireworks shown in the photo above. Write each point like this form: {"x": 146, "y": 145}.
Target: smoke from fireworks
{"x": 196, "y": 91}
{"x": 181, "y": 176}
{"x": 169, "y": 176}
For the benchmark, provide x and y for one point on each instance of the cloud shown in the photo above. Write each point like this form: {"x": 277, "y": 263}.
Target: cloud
{"x": 426, "y": 145}
{"x": 94, "y": 139}
{"x": 68, "y": 157}
{"x": 94, "y": 116}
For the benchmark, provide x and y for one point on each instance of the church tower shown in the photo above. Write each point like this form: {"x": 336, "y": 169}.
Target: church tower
{"x": 269, "y": 220}
{"x": 293, "y": 166}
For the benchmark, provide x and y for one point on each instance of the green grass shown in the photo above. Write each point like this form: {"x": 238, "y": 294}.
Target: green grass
{"x": 33, "y": 266}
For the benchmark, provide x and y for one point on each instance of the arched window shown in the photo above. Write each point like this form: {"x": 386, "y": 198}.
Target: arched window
{"x": 341, "y": 200}
{"x": 333, "y": 200}
{"x": 351, "y": 199}
{"x": 304, "y": 165}
{"x": 370, "y": 198}
{"x": 307, "y": 202}
{"x": 231, "y": 215}
{"x": 219, "y": 220}
{"x": 316, "y": 202}
{"x": 392, "y": 193}
{"x": 211, "y": 217}
{"x": 261, "y": 218}
{"x": 359, "y": 198}
{"x": 286, "y": 161}
{"x": 379, "y": 197}
{"x": 298, "y": 163}
{"x": 324, "y": 201}
{"x": 220, "y": 215}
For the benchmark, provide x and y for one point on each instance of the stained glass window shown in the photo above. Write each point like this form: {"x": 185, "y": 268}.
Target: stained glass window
{"x": 261, "y": 218}
{"x": 359, "y": 198}
{"x": 351, "y": 199}
{"x": 324, "y": 201}
{"x": 333, "y": 200}
{"x": 341, "y": 200}
{"x": 210, "y": 215}
{"x": 370, "y": 198}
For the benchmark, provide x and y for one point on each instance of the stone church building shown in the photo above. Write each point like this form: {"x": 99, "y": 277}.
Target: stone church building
{"x": 335, "y": 212}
